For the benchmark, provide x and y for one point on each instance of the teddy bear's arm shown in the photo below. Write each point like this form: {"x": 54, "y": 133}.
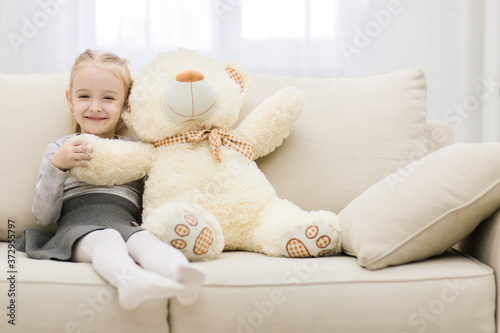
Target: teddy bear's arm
{"x": 270, "y": 123}
{"x": 115, "y": 161}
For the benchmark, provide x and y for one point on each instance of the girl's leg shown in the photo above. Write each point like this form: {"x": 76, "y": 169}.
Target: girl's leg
{"x": 108, "y": 253}
{"x": 155, "y": 255}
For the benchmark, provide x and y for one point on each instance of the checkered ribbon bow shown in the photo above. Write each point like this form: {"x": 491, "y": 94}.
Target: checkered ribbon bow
{"x": 216, "y": 138}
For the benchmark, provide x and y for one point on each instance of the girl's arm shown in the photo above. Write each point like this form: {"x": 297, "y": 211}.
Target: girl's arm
{"x": 56, "y": 162}
{"x": 48, "y": 198}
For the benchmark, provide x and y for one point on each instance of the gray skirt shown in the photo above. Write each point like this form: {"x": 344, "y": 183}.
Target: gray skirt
{"x": 80, "y": 216}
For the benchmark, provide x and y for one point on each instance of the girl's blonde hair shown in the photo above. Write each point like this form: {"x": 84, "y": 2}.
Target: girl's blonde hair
{"x": 121, "y": 71}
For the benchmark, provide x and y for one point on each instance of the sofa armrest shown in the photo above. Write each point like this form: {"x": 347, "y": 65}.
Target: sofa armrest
{"x": 484, "y": 244}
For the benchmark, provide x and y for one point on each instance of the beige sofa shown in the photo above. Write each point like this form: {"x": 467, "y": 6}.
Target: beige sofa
{"x": 354, "y": 132}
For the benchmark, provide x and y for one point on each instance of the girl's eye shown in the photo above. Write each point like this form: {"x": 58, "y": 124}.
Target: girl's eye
{"x": 83, "y": 96}
{"x": 109, "y": 97}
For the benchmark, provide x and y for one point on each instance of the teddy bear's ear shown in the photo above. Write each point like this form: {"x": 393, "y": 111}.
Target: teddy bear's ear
{"x": 233, "y": 74}
{"x": 240, "y": 76}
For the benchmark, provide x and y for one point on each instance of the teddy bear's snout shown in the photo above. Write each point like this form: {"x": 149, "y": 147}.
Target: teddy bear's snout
{"x": 188, "y": 96}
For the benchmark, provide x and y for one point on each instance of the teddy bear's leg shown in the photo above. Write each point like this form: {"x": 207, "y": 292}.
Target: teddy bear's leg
{"x": 187, "y": 227}
{"x": 289, "y": 231}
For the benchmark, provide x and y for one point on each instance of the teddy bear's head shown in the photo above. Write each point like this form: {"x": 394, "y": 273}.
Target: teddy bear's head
{"x": 181, "y": 91}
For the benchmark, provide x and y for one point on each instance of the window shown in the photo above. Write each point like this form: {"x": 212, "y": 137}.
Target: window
{"x": 140, "y": 29}
{"x": 304, "y": 20}
{"x": 245, "y": 30}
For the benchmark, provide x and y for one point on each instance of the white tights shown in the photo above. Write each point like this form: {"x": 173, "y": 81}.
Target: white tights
{"x": 164, "y": 271}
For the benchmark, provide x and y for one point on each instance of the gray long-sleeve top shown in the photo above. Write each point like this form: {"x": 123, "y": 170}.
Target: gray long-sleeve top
{"x": 54, "y": 186}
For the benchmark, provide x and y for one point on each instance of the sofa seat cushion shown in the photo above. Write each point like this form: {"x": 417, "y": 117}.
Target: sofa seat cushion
{"x": 54, "y": 296}
{"x": 249, "y": 292}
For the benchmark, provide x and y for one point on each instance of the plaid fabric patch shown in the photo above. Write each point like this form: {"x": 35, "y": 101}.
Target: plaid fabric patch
{"x": 312, "y": 232}
{"x": 181, "y": 230}
{"x": 326, "y": 253}
{"x": 296, "y": 249}
{"x": 203, "y": 242}
{"x": 323, "y": 241}
{"x": 233, "y": 74}
{"x": 191, "y": 220}
{"x": 216, "y": 138}
{"x": 178, "y": 244}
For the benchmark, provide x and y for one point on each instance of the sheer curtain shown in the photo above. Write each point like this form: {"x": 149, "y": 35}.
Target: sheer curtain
{"x": 455, "y": 42}
{"x": 40, "y": 36}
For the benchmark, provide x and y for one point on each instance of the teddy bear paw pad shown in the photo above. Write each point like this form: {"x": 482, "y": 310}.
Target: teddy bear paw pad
{"x": 204, "y": 235}
{"x": 313, "y": 244}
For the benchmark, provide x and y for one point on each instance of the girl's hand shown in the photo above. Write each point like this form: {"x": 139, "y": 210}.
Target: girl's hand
{"x": 71, "y": 154}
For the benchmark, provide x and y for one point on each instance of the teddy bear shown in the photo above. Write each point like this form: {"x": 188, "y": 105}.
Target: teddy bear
{"x": 204, "y": 192}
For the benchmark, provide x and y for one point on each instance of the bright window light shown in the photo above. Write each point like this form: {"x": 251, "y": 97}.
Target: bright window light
{"x": 288, "y": 19}
{"x": 107, "y": 23}
{"x": 276, "y": 19}
{"x": 322, "y": 18}
{"x": 133, "y": 23}
{"x": 187, "y": 23}
{"x": 154, "y": 24}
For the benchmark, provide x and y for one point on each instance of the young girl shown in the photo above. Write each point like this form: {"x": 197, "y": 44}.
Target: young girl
{"x": 100, "y": 224}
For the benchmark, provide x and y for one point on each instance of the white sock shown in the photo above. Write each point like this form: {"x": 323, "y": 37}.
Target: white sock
{"x": 146, "y": 286}
{"x": 155, "y": 255}
{"x": 192, "y": 278}
{"x": 108, "y": 253}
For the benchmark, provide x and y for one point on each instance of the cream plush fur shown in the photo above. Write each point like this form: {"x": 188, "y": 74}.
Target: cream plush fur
{"x": 192, "y": 200}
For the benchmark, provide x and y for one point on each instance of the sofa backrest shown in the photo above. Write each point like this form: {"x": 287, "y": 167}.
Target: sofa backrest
{"x": 353, "y": 132}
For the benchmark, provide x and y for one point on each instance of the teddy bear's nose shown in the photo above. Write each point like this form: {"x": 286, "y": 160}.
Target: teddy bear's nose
{"x": 189, "y": 97}
{"x": 189, "y": 76}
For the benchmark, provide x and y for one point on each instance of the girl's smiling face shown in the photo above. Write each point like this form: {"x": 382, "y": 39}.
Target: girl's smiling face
{"x": 97, "y": 99}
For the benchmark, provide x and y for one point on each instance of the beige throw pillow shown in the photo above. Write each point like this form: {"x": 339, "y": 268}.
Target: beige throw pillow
{"x": 424, "y": 208}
